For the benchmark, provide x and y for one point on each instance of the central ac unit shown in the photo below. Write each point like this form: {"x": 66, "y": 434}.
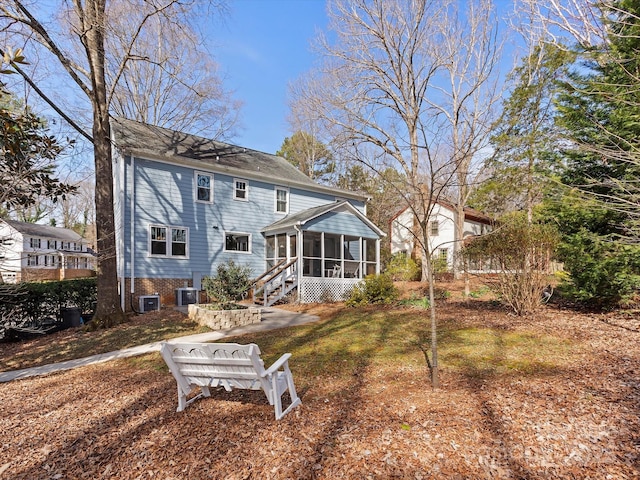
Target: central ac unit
{"x": 149, "y": 303}
{"x": 186, "y": 296}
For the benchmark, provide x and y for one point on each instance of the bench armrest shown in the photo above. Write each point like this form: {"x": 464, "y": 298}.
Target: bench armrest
{"x": 277, "y": 364}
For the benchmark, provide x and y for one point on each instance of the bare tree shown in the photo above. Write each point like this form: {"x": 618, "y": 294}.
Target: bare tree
{"x": 466, "y": 95}
{"x": 159, "y": 86}
{"x": 559, "y": 20}
{"x": 88, "y": 21}
{"x": 408, "y": 85}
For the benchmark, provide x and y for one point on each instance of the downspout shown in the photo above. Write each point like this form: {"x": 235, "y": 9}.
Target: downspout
{"x": 132, "y": 233}
{"x": 121, "y": 243}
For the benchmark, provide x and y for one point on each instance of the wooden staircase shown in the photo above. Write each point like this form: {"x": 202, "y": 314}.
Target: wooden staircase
{"x": 275, "y": 283}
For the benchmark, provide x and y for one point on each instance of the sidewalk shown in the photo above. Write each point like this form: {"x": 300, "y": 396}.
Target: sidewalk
{"x": 272, "y": 318}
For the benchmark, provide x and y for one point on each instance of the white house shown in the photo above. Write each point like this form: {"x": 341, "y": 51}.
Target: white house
{"x": 441, "y": 230}
{"x": 30, "y": 252}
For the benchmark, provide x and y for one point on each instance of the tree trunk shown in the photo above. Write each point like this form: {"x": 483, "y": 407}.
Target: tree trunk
{"x": 108, "y": 311}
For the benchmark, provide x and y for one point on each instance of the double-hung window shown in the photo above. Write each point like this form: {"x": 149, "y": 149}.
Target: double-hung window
{"x": 204, "y": 187}
{"x": 240, "y": 189}
{"x": 34, "y": 242}
{"x": 237, "y": 242}
{"x": 282, "y": 200}
{"x": 434, "y": 228}
{"x": 168, "y": 241}
{"x": 52, "y": 244}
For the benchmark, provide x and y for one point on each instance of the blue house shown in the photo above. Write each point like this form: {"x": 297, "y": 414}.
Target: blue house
{"x": 184, "y": 204}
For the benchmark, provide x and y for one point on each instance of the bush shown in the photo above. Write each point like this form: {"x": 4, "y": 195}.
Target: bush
{"x": 401, "y": 267}
{"x": 378, "y": 289}
{"x": 603, "y": 274}
{"x": 28, "y": 303}
{"x": 522, "y": 253}
{"x": 229, "y": 285}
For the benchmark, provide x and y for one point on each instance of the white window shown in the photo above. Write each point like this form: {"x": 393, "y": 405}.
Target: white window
{"x": 49, "y": 260}
{"x": 33, "y": 260}
{"x": 204, "y": 187}
{"x": 52, "y": 244}
{"x": 34, "y": 242}
{"x": 434, "y": 228}
{"x": 282, "y": 200}
{"x": 168, "y": 241}
{"x": 443, "y": 254}
{"x": 237, "y": 242}
{"x": 240, "y": 189}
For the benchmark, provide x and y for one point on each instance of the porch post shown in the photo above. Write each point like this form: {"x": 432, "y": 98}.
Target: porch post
{"x": 377, "y": 256}
{"x": 299, "y": 261}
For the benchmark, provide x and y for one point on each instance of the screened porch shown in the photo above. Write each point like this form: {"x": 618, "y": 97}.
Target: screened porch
{"x": 326, "y": 250}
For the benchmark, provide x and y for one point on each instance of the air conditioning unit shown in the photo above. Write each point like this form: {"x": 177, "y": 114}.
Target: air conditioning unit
{"x": 186, "y": 296}
{"x": 149, "y": 303}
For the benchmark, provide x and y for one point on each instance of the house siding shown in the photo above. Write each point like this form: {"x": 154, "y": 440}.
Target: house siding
{"x": 164, "y": 195}
{"x": 340, "y": 223}
{"x": 401, "y": 238}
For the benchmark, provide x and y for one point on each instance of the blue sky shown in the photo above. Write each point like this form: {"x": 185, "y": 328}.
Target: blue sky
{"x": 262, "y": 47}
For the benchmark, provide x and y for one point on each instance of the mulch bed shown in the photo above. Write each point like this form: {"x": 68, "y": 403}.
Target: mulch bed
{"x": 118, "y": 421}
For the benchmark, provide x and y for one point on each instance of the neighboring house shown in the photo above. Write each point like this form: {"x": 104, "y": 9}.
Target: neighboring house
{"x": 441, "y": 230}
{"x": 31, "y": 252}
{"x": 185, "y": 204}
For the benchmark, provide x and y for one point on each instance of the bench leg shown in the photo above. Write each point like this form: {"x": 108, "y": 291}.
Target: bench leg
{"x": 277, "y": 391}
{"x": 182, "y": 400}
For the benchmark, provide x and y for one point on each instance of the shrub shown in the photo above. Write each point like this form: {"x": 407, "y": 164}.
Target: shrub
{"x": 401, "y": 267}
{"x": 522, "y": 252}
{"x": 603, "y": 274}
{"x": 378, "y": 289}
{"x": 28, "y": 303}
{"x": 229, "y": 285}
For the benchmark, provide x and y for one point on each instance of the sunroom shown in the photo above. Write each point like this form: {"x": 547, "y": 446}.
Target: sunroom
{"x": 322, "y": 253}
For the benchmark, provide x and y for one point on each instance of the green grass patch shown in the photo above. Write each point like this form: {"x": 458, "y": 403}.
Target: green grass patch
{"x": 480, "y": 352}
{"x": 384, "y": 339}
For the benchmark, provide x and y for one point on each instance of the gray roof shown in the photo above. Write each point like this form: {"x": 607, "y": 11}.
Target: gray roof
{"x": 304, "y": 216}
{"x": 148, "y": 141}
{"x": 46, "y": 231}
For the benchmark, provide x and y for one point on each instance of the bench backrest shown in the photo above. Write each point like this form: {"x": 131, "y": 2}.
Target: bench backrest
{"x": 198, "y": 363}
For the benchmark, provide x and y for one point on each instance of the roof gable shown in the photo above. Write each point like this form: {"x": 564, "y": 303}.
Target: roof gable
{"x": 305, "y": 216}
{"x": 470, "y": 214}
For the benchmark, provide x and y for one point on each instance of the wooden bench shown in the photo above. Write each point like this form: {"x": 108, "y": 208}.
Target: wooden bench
{"x": 228, "y": 365}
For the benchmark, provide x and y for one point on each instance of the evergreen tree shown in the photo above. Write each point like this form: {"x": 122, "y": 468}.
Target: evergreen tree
{"x": 599, "y": 114}
{"x": 524, "y": 136}
{"x": 309, "y": 155}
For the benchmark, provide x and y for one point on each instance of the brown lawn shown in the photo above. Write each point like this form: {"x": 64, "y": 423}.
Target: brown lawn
{"x": 555, "y": 395}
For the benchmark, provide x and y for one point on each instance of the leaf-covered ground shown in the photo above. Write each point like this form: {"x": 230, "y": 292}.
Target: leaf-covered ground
{"x": 555, "y": 395}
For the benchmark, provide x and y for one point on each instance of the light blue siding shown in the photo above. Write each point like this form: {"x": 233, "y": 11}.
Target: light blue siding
{"x": 165, "y": 195}
{"x": 340, "y": 223}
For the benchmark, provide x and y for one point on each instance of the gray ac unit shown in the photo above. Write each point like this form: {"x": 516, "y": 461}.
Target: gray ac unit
{"x": 186, "y": 296}
{"x": 149, "y": 303}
